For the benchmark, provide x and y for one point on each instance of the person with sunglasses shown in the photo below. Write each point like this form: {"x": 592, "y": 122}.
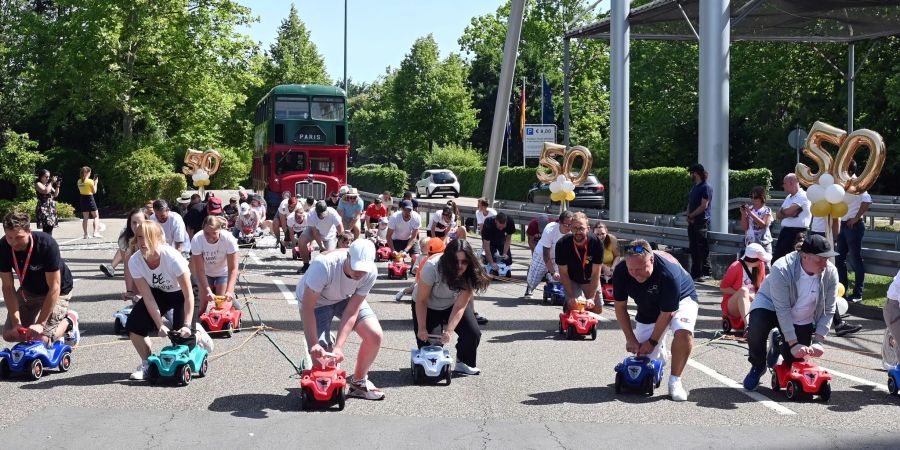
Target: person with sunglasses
{"x": 351, "y": 208}
{"x": 322, "y": 227}
{"x": 443, "y": 298}
{"x": 756, "y": 220}
{"x": 544, "y": 256}
{"x": 445, "y": 220}
{"x": 797, "y": 298}
{"x": 579, "y": 256}
{"x": 332, "y": 200}
{"x": 666, "y": 300}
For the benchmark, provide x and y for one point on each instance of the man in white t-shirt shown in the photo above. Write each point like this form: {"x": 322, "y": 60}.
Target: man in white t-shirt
{"x": 322, "y": 227}
{"x": 483, "y": 212}
{"x": 287, "y": 205}
{"x": 172, "y": 225}
{"x": 403, "y": 231}
{"x": 795, "y": 214}
{"x": 849, "y": 241}
{"x": 336, "y": 285}
{"x": 543, "y": 259}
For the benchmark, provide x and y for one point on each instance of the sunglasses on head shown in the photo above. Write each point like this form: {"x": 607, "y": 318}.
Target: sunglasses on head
{"x": 636, "y": 249}
{"x": 751, "y": 260}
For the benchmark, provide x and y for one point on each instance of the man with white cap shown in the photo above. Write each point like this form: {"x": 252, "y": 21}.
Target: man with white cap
{"x": 797, "y": 298}
{"x": 336, "y": 285}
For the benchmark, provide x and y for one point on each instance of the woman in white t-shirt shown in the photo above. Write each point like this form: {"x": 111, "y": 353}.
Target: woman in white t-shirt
{"x": 163, "y": 279}
{"x": 756, "y": 220}
{"x": 214, "y": 262}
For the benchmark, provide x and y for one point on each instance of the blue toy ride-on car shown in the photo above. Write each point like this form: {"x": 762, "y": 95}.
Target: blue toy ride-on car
{"x": 33, "y": 357}
{"x": 893, "y": 379}
{"x": 554, "y": 293}
{"x": 431, "y": 363}
{"x": 639, "y": 374}
{"x": 179, "y": 361}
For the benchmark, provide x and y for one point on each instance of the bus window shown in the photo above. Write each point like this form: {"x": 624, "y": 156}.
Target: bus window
{"x": 291, "y": 109}
{"x": 321, "y": 165}
{"x": 327, "y": 108}
{"x": 289, "y": 162}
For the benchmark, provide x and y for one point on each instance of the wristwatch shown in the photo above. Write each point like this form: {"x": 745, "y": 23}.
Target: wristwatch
{"x": 653, "y": 342}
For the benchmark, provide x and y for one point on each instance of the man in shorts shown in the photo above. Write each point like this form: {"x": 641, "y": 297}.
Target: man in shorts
{"x": 403, "y": 231}
{"x": 41, "y": 304}
{"x": 322, "y": 227}
{"x": 666, "y": 300}
{"x": 336, "y": 285}
{"x": 350, "y": 206}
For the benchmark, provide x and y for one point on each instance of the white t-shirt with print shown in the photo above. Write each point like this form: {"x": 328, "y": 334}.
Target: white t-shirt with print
{"x": 804, "y": 311}
{"x": 438, "y": 217}
{"x": 174, "y": 230}
{"x": 165, "y": 277}
{"x": 802, "y": 220}
{"x": 215, "y": 256}
{"x": 296, "y": 227}
{"x": 327, "y": 225}
{"x": 326, "y": 276}
{"x": 403, "y": 230}
{"x": 479, "y": 216}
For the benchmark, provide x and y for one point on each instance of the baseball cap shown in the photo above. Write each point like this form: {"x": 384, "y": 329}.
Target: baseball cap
{"x": 244, "y": 209}
{"x": 406, "y": 204}
{"x": 757, "y": 251}
{"x": 321, "y": 207}
{"x": 362, "y": 255}
{"x": 817, "y": 245}
{"x": 160, "y": 205}
{"x": 435, "y": 245}
{"x": 214, "y": 205}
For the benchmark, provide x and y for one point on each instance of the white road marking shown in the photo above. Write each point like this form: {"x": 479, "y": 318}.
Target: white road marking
{"x": 288, "y": 295}
{"x": 880, "y": 387}
{"x": 734, "y": 384}
{"x": 255, "y": 258}
{"x": 70, "y": 240}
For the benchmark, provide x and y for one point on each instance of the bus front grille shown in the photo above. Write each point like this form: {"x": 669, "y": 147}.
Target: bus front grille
{"x": 314, "y": 189}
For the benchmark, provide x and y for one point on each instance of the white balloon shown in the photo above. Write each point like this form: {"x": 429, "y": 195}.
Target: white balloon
{"x": 555, "y": 187}
{"x": 568, "y": 186}
{"x": 834, "y": 194}
{"x": 826, "y": 180}
{"x": 841, "y": 304}
{"x": 815, "y": 193}
{"x": 561, "y": 178}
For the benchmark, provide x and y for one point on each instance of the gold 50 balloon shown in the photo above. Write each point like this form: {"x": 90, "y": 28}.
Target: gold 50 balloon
{"x": 847, "y": 145}
{"x": 554, "y": 169}
{"x": 207, "y": 161}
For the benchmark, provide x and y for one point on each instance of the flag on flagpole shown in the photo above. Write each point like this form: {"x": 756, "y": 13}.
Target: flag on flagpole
{"x": 522, "y": 113}
{"x": 547, "y": 114}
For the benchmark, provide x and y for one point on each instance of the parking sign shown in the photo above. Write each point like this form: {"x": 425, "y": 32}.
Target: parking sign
{"x": 535, "y": 136}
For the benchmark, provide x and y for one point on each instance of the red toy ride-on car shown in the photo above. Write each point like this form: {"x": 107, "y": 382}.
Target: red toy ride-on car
{"x": 578, "y": 322}
{"x": 383, "y": 253}
{"x": 802, "y": 379}
{"x": 222, "y": 319}
{"x": 398, "y": 269}
{"x": 324, "y": 385}
{"x": 731, "y": 324}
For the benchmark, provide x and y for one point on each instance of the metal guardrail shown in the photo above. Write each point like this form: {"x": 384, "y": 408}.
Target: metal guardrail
{"x": 878, "y": 261}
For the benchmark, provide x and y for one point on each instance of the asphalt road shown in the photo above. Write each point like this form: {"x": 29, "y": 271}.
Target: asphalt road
{"x": 536, "y": 390}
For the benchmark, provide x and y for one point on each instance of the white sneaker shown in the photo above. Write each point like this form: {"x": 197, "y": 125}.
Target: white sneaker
{"x": 72, "y": 336}
{"x": 204, "y": 341}
{"x": 677, "y": 392}
{"x": 399, "y": 296}
{"x": 464, "y": 369}
{"x": 141, "y": 372}
{"x": 98, "y": 235}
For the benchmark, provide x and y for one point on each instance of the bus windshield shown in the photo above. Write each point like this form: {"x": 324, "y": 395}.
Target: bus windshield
{"x": 289, "y": 162}
{"x": 292, "y": 109}
{"x": 327, "y": 108}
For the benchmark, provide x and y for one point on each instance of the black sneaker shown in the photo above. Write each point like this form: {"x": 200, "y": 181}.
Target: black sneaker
{"x": 302, "y": 270}
{"x": 108, "y": 270}
{"x": 283, "y": 250}
{"x": 846, "y": 328}
{"x": 481, "y": 319}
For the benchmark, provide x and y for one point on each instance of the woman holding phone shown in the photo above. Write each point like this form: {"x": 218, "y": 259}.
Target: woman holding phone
{"x": 87, "y": 187}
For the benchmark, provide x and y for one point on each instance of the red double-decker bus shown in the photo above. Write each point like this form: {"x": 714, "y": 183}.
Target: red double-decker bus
{"x": 300, "y": 141}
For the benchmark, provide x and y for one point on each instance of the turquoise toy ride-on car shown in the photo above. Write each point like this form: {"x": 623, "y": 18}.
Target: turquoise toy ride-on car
{"x": 179, "y": 361}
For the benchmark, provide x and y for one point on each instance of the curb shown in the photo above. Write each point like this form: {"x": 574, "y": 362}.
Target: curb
{"x": 866, "y": 311}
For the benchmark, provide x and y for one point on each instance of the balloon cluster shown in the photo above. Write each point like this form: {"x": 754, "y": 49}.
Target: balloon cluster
{"x": 562, "y": 189}
{"x": 200, "y": 178}
{"x": 840, "y": 302}
{"x": 827, "y": 197}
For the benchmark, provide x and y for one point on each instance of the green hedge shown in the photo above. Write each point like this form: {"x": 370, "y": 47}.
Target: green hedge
{"x": 63, "y": 210}
{"x": 134, "y": 178}
{"x": 664, "y": 190}
{"x": 378, "y": 180}
{"x": 513, "y": 182}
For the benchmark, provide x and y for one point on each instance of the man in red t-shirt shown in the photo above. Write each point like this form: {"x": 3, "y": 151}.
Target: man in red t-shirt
{"x": 375, "y": 211}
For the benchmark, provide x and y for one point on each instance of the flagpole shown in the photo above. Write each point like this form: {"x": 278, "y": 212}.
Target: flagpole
{"x": 543, "y": 119}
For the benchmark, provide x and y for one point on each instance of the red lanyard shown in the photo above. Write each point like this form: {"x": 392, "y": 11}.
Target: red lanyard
{"x": 583, "y": 258}
{"x": 21, "y": 273}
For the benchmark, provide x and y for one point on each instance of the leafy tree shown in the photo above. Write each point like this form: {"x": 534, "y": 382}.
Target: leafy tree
{"x": 294, "y": 58}
{"x": 20, "y": 162}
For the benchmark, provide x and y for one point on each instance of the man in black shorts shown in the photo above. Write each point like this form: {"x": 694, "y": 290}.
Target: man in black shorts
{"x": 41, "y": 304}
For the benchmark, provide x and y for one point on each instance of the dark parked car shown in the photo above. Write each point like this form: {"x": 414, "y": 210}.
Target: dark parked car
{"x": 589, "y": 194}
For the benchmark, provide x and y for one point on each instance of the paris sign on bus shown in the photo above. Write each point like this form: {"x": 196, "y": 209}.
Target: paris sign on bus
{"x": 535, "y": 136}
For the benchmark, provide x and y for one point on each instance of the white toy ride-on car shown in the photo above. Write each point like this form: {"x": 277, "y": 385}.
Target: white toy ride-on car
{"x": 431, "y": 363}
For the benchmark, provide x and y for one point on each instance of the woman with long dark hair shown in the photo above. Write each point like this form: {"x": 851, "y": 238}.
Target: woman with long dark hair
{"x": 443, "y": 299}
{"x": 47, "y": 189}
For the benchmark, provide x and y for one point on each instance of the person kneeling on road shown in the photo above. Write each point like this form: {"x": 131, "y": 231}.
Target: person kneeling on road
{"x": 336, "y": 285}
{"x": 447, "y": 283}
{"x": 798, "y": 298}
{"x": 580, "y": 257}
{"x": 666, "y": 300}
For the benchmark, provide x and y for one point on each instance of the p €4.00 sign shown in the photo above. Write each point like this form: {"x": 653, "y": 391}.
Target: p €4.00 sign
{"x": 535, "y": 136}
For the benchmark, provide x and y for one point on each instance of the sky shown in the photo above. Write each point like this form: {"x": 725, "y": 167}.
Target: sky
{"x": 380, "y": 32}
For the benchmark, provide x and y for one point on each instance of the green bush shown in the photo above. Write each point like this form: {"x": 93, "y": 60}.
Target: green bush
{"x": 513, "y": 182}
{"x": 234, "y": 170}
{"x": 20, "y": 162}
{"x": 167, "y": 186}
{"x": 63, "y": 210}
{"x": 133, "y": 178}
{"x": 454, "y": 157}
{"x": 378, "y": 180}
{"x": 664, "y": 190}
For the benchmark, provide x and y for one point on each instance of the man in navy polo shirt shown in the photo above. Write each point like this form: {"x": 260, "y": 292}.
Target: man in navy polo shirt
{"x": 698, "y": 223}
{"x": 666, "y": 300}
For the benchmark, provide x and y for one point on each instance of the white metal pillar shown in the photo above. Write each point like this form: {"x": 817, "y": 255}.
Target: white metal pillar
{"x": 619, "y": 62}
{"x": 715, "y": 39}
{"x": 501, "y": 106}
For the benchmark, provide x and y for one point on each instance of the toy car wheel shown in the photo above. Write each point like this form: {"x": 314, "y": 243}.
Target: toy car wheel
{"x": 448, "y": 375}
{"x": 776, "y": 386}
{"x": 339, "y": 397}
{"x": 37, "y": 369}
{"x": 618, "y": 384}
{"x": 204, "y": 367}
{"x": 227, "y": 331}
{"x": 892, "y": 385}
{"x": 825, "y": 391}
{"x": 304, "y": 400}
{"x": 593, "y": 332}
{"x": 647, "y": 384}
{"x": 118, "y": 327}
{"x": 237, "y": 325}
{"x": 405, "y": 275}
{"x": 561, "y": 328}
{"x": 65, "y": 362}
{"x": 570, "y": 333}
{"x": 152, "y": 373}
{"x": 413, "y": 373}
{"x": 204, "y": 325}
{"x": 726, "y": 325}
{"x": 793, "y": 390}
{"x": 184, "y": 374}
{"x": 4, "y": 368}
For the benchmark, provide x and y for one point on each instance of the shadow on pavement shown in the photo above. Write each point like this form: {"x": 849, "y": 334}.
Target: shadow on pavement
{"x": 536, "y": 335}
{"x": 590, "y": 396}
{"x": 53, "y": 378}
{"x": 255, "y": 406}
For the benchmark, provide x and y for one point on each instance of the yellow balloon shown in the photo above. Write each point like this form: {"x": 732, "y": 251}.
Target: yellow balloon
{"x": 841, "y": 290}
{"x": 557, "y": 196}
{"x": 570, "y": 196}
{"x": 821, "y": 208}
{"x": 839, "y": 209}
